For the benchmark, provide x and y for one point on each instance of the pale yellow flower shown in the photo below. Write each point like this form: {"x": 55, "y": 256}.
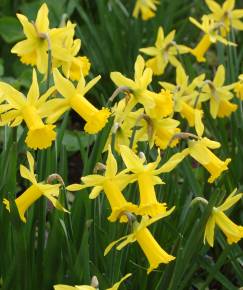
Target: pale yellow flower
{"x": 35, "y": 191}
{"x": 165, "y": 51}
{"x": 147, "y": 8}
{"x": 232, "y": 231}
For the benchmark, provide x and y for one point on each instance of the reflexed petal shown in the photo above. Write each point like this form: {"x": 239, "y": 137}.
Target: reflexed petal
{"x": 230, "y": 201}
{"x": 151, "y": 51}
{"x": 33, "y": 93}
{"x": 237, "y": 24}
{"x": 25, "y": 173}
{"x": 116, "y": 285}
{"x": 219, "y": 77}
{"x": 95, "y": 192}
{"x": 64, "y": 86}
{"x": 139, "y": 67}
{"x": 213, "y": 6}
{"x": 28, "y": 27}
{"x": 42, "y": 22}
{"x": 132, "y": 161}
{"x": 160, "y": 37}
{"x": 90, "y": 84}
{"x": 119, "y": 80}
{"x": 111, "y": 164}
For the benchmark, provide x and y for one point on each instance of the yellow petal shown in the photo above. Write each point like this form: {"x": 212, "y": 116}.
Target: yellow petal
{"x": 64, "y": 86}
{"x": 209, "y": 231}
{"x": 132, "y": 161}
{"x": 42, "y": 22}
{"x": 116, "y": 285}
{"x": 33, "y": 93}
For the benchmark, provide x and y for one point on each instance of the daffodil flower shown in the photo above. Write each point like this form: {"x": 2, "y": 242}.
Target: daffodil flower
{"x": 87, "y": 287}
{"x": 152, "y": 250}
{"x": 219, "y": 95}
{"x": 31, "y": 109}
{"x": 226, "y": 15}
{"x": 140, "y": 93}
{"x": 232, "y": 231}
{"x": 76, "y": 65}
{"x": 74, "y": 98}
{"x": 199, "y": 150}
{"x": 147, "y": 177}
{"x": 39, "y": 39}
{"x": 112, "y": 184}
{"x": 238, "y": 87}
{"x": 35, "y": 191}
{"x": 147, "y": 8}
{"x": 186, "y": 96}
{"x": 123, "y": 125}
{"x": 164, "y": 52}
{"x": 211, "y": 35}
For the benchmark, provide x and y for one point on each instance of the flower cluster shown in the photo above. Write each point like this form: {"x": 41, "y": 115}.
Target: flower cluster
{"x": 171, "y": 117}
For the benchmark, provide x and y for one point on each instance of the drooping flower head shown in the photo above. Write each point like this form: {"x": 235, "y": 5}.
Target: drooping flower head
{"x": 75, "y": 98}
{"x": 147, "y": 177}
{"x": 35, "y": 191}
{"x": 112, "y": 184}
{"x": 152, "y": 250}
{"x": 232, "y": 231}
{"x": 31, "y": 110}
{"x": 211, "y": 35}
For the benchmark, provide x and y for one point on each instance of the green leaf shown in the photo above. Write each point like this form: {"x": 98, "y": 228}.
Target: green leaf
{"x": 10, "y": 29}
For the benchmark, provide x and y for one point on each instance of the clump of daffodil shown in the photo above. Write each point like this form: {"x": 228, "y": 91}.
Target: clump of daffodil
{"x": 146, "y": 8}
{"x": 219, "y": 95}
{"x": 112, "y": 184}
{"x": 238, "y": 87}
{"x": 152, "y": 250}
{"x": 165, "y": 51}
{"x": 87, "y": 287}
{"x": 76, "y": 65}
{"x": 211, "y": 35}
{"x": 30, "y": 109}
{"x": 35, "y": 191}
{"x": 39, "y": 40}
{"x": 187, "y": 100}
{"x": 226, "y": 16}
{"x": 232, "y": 231}
{"x": 147, "y": 177}
{"x": 138, "y": 86}
{"x": 123, "y": 124}
{"x": 75, "y": 98}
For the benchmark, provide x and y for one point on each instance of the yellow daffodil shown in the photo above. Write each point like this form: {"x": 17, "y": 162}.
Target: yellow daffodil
{"x": 232, "y": 231}
{"x": 199, "y": 150}
{"x": 35, "y": 191}
{"x": 112, "y": 184}
{"x": 39, "y": 39}
{"x": 219, "y": 95}
{"x": 238, "y": 88}
{"x": 211, "y": 35}
{"x": 31, "y": 109}
{"x": 164, "y": 52}
{"x": 123, "y": 124}
{"x": 87, "y": 287}
{"x": 225, "y": 15}
{"x": 187, "y": 100}
{"x": 147, "y": 177}
{"x": 77, "y": 65}
{"x": 152, "y": 250}
{"x": 138, "y": 87}
{"x": 147, "y": 8}
{"x": 163, "y": 104}
{"x": 74, "y": 98}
